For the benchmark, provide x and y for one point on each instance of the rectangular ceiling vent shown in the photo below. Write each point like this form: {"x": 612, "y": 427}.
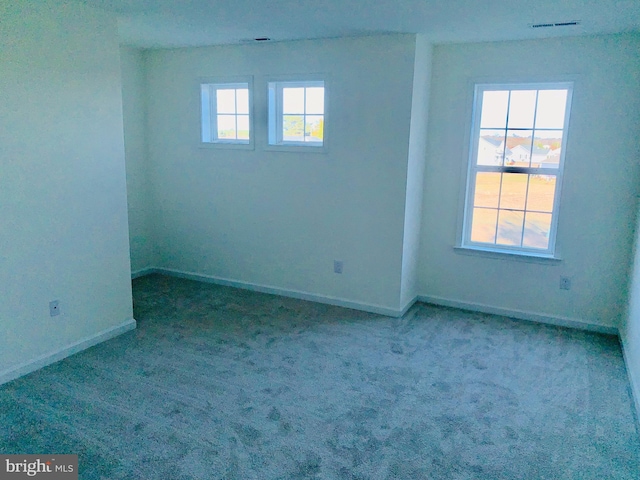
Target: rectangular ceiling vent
{"x": 559, "y": 24}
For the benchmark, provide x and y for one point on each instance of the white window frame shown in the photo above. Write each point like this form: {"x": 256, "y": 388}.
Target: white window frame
{"x": 212, "y": 86}
{"x": 473, "y": 169}
{"x": 275, "y": 133}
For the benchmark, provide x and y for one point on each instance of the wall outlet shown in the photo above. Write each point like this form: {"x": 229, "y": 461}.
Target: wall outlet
{"x": 54, "y": 308}
{"x": 337, "y": 266}
{"x": 565, "y": 283}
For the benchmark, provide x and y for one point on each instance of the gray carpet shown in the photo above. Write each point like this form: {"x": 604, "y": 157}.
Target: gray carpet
{"x": 224, "y": 383}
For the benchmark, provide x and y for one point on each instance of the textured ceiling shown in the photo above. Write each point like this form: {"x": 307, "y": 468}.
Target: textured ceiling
{"x": 172, "y": 23}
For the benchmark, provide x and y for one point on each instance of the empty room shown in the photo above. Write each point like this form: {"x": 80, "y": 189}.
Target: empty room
{"x": 330, "y": 240}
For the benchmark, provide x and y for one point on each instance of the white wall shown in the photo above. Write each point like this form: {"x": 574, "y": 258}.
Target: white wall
{"x": 139, "y": 193}
{"x": 279, "y": 218}
{"x": 62, "y": 186}
{"x": 415, "y": 171}
{"x": 600, "y": 185}
{"x": 630, "y": 329}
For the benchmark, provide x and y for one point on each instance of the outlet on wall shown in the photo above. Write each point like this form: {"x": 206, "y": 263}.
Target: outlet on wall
{"x": 54, "y": 308}
{"x": 565, "y": 283}
{"x": 337, "y": 266}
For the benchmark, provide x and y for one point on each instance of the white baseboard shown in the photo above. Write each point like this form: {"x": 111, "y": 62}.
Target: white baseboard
{"x": 64, "y": 352}
{"x": 634, "y": 376}
{"x": 142, "y": 272}
{"x": 409, "y": 304}
{"x": 392, "y": 312}
{"x": 313, "y": 297}
{"x": 520, "y": 314}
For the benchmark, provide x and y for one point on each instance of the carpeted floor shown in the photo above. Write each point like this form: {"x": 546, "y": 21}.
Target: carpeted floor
{"x": 224, "y": 383}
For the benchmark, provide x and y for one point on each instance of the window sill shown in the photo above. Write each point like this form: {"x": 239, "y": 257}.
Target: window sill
{"x": 526, "y": 257}
{"x": 319, "y": 149}
{"x": 228, "y": 145}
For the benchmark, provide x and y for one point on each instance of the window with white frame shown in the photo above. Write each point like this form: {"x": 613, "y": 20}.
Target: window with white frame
{"x": 225, "y": 112}
{"x": 296, "y": 113}
{"x": 515, "y": 167}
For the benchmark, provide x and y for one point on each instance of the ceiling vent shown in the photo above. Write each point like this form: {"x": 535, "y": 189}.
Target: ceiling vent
{"x": 559, "y": 24}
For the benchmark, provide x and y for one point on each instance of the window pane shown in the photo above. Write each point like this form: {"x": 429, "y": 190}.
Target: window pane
{"x": 314, "y": 128}
{"x": 490, "y": 147}
{"x": 551, "y": 108}
{"x": 292, "y": 100}
{"x": 206, "y": 113}
{"x": 510, "y": 227}
{"x": 518, "y": 151}
{"x": 487, "y": 189}
{"x": 514, "y": 191}
{"x": 542, "y": 190}
{"x": 536, "y": 230}
{"x": 494, "y": 109}
{"x": 242, "y": 100}
{"x": 243, "y": 127}
{"x": 226, "y": 126}
{"x": 293, "y": 128}
{"x": 226, "y": 101}
{"x": 547, "y": 148}
{"x": 314, "y": 100}
{"x": 521, "y": 108}
{"x": 483, "y": 227}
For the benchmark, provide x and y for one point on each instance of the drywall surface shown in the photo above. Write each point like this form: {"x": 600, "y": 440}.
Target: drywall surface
{"x": 600, "y": 183}
{"x": 139, "y": 194}
{"x": 630, "y": 329}
{"x": 62, "y": 188}
{"x": 276, "y": 218}
{"x": 415, "y": 170}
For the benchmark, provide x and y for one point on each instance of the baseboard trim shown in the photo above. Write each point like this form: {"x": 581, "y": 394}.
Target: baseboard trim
{"x": 300, "y": 295}
{"x": 635, "y": 386}
{"x": 391, "y": 312}
{"x": 409, "y": 304}
{"x": 142, "y": 272}
{"x": 64, "y": 352}
{"x": 520, "y": 314}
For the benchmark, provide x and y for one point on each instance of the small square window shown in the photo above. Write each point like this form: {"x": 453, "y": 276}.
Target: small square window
{"x": 297, "y": 113}
{"x": 226, "y": 113}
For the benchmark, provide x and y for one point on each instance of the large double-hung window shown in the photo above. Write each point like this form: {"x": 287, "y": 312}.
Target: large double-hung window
{"x": 515, "y": 167}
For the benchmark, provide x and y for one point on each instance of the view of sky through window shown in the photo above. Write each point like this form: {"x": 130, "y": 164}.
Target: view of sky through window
{"x": 233, "y": 113}
{"x": 303, "y": 114}
{"x": 225, "y": 113}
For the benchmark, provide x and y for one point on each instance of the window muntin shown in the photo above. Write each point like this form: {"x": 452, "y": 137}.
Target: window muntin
{"x": 225, "y": 113}
{"x": 297, "y": 113}
{"x": 516, "y": 166}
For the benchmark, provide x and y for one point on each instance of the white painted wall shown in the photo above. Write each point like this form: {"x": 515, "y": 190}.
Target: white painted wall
{"x": 139, "y": 193}
{"x": 62, "y": 182}
{"x": 415, "y": 170}
{"x": 630, "y": 329}
{"x": 280, "y": 218}
{"x": 600, "y": 185}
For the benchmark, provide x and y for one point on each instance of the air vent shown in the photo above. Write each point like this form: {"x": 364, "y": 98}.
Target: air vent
{"x": 559, "y": 24}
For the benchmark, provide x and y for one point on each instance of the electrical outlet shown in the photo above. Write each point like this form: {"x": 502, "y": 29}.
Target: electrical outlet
{"x": 565, "y": 283}
{"x": 337, "y": 266}
{"x": 54, "y": 308}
